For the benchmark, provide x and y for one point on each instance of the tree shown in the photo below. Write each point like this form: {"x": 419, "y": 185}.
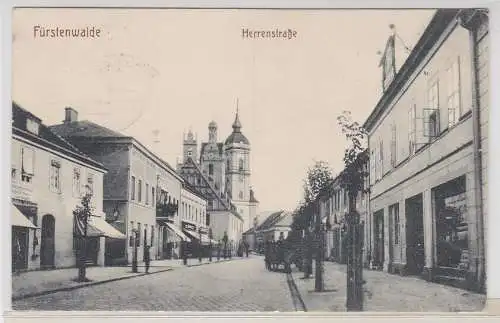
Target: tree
{"x": 82, "y": 214}
{"x": 353, "y": 179}
{"x": 318, "y": 178}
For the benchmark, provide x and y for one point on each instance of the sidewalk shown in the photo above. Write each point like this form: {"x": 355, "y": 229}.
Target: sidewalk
{"x": 386, "y": 293}
{"x": 42, "y": 282}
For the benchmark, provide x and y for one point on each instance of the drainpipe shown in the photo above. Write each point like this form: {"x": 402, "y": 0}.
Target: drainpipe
{"x": 469, "y": 24}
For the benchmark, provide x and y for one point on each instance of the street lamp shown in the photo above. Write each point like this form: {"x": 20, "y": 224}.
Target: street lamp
{"x": 199, "y": 247}
{"x": 134, "y": 253}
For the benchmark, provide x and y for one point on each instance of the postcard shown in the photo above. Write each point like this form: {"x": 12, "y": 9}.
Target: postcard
{"x": 249, "y": 160}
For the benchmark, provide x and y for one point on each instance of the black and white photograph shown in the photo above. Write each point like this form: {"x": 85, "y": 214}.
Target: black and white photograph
{"x": 249, "y": 160}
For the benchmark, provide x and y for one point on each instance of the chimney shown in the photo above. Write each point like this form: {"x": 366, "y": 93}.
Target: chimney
{"x": 71, "y": 115}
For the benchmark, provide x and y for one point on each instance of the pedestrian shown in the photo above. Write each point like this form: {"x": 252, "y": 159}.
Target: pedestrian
{"x": 17, "y": 256}
{"x": 246, "y": 248}
{"x": 147, "y": 257}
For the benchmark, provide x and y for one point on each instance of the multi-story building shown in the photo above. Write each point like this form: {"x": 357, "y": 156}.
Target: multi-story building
{"x": 427, "y": 145}
{"x": 333, "y": 207}
{"x": 141, "y": 191}
{"x": 193, "y": 216}
{"x": 226, "y": 168}
{"x": 49, "y": 177}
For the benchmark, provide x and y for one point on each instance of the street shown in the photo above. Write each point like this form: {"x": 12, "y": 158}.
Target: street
{"x": 238, "y": 285}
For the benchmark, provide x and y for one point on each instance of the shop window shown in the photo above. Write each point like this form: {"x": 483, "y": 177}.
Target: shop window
{"x": 451, "y": 224}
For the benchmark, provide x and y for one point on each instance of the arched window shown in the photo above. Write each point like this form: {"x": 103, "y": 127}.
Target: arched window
{"x": 241, "y": 195}
{"x": 210, "y": 169}
{"x": 241, "y": 165}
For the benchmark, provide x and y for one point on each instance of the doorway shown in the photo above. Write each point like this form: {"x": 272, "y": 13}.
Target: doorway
{"x": 47, "y": 246}
{"x": 415, "y": 251}
{"x": 19, "y": 248}
{"x": 379, "y": 252}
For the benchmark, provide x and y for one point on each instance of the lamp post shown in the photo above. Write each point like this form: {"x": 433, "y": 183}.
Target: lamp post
{"x": 134, "y": 253}
{"x": 199, "y": 246}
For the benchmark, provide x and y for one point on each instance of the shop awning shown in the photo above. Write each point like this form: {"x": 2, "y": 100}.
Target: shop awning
{"x": 19, "y": 219}
{"x": 178, "y": 232}
{"x": 97, "y": 227}
{"x": 205, "y": 240}
{"x": 107, "y": 230}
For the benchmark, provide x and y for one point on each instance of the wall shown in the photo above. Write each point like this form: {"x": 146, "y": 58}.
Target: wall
{"x": 193, "y": 208}
{"x": 58, "y": 203}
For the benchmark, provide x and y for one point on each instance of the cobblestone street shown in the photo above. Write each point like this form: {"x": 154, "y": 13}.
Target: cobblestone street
{"x": 238, "y": 285}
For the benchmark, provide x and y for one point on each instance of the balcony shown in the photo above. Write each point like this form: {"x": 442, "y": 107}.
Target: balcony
{"x": 166, "y": 210}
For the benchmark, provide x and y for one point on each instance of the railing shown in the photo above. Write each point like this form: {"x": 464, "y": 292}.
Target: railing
{"x": 166, "y": 209}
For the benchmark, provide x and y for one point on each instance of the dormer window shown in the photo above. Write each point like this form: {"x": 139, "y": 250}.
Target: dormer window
{"x": 32, "y": 126}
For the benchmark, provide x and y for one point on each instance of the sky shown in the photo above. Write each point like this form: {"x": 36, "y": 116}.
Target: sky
{"x": 172, "y": 70}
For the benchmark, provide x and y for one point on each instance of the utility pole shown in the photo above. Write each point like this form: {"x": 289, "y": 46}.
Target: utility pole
{"x": 319, "y": 283}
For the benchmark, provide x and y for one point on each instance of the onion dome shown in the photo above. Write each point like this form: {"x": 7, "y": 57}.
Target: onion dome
{"x": 236, "y": 137}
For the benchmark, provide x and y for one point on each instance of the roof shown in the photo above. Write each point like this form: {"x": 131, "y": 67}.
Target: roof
{"x": 190, "y": 188}
{"x": 431, "y": 35}
{"x": 220, "y": 146}
{"x": 46, "y": 137}
{"x": 278, "y": 218}
{"x": 190, "y": 163}
{"x": 236, "y": 137}
{"x": 83, "y": 130}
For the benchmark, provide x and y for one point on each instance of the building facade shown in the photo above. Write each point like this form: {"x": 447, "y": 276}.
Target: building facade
{"x": 226, "y": 168}
{"x": 426, "y": 182}
{"x": 141, "y": 191}
{"x": 49, "y": 176}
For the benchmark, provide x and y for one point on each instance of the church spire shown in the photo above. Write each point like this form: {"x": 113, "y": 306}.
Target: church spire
{"x": 237, "y": 123}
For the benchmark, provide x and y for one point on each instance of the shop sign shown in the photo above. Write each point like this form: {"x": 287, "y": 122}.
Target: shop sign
{"x": 188, "y": 226}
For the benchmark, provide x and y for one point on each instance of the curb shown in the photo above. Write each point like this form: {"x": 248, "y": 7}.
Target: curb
{"x": 298, "y": 302}
{"x": 214, "y": 262}
{"x": 70, "y": 288}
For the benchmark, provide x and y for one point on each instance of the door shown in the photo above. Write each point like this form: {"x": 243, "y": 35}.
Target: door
{"x": 415, "y": 254}
{"x": 379, "y": 253}
{"x": 19, "y": 248}
{"x": 47, "y": 246}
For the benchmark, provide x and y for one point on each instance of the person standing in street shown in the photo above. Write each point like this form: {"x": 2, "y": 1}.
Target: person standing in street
{"x": 147, "y": 257}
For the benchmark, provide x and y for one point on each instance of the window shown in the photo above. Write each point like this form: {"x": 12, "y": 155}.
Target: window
{"x": 132, "y": 188}
{"x": 32, "y": 126}
{"x": 152, "y": 236}
{"x": 147, "y": 193}
{"x": 90, "y": 183}
{"x": 394, "y": 213}
{"x": 13, "y": 173}
{"x": 139, "y": 190}
{"x": 412, "y": 129}
{"x": 240, "y": 195}
{"x": 131, "y": 236}
{"x": 393, "y": 145}
{"x": 242, "y": 164}
{"x": 453, "y": 99}
{"x": 431, "y": 123}
{"x": 76, "y": 182}
{"x": 55, "y": 176}
{"x": 27, "y": 164}
{"x": 138, "y": 241}
{"x": 210, "y": 169}
{"x": 431, "y": 114}
{"x": 152, "y": 196}
{"x": 208, "y": 219}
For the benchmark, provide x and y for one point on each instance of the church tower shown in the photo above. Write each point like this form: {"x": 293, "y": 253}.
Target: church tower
{"x": 190, "y": 147}
{"x": 237, "y": 151}
{"x": 212, "y": 160}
